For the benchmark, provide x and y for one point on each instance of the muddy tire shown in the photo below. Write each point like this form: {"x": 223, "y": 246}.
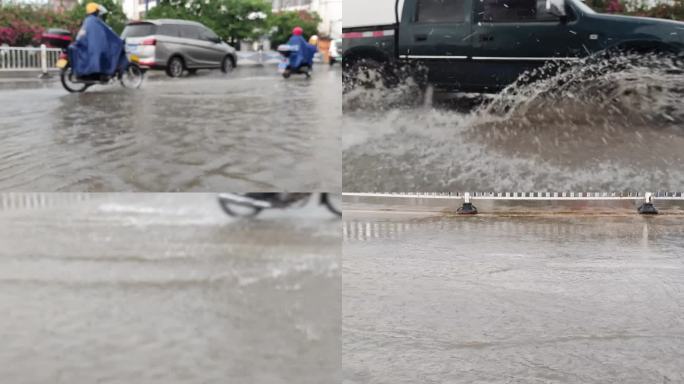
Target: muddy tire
{"x": 175, "y": 67}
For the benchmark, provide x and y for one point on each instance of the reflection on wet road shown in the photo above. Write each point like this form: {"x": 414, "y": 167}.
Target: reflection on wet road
{"x": 250, "y": 131}
{"x": 512, "y": 300}
{"x": 166, "y": 289}
{"x": 620, "y": 130}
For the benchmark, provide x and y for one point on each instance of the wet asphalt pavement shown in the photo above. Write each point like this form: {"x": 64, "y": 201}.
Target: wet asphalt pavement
{"x": 555, "y": 299}
{"x": 249, "y": 131}
{"x": 166, "y": 289}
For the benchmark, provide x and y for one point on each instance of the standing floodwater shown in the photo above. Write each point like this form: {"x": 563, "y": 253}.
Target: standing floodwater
{"x": 602, "y": 125}
{"x": 166, "y": 289}
{"x": 250, "y": 130}
{"x": 554, "y": 299}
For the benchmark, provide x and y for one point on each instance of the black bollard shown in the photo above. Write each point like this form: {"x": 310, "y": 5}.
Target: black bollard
{"x": 647, "y": 208}
{"x": 468, "y": 208}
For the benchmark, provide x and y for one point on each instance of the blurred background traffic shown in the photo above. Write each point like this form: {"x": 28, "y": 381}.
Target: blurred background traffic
{"x": 254, "y": 28}
{"x": 213, "y": 112}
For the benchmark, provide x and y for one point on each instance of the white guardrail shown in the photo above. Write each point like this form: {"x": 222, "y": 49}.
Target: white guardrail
{"x": 527, "y": 195}
{"x": 258, "y": 57}
{"x": 522, "y": 202}
{"x": 28, "y": 58}
{"x": 44, "y": 59}
{"x": 266, "y": 57}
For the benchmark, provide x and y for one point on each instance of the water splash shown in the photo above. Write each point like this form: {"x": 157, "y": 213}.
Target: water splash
{"x": 648, "y": 88}
{"x": 600, "y": 123}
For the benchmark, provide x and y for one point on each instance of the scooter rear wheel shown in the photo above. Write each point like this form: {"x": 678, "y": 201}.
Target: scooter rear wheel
{"x": 238, "y": 210}
{"x": 66, "y": 76}
{"x": 332, "y": 206}
{"x": 133, "y": 76}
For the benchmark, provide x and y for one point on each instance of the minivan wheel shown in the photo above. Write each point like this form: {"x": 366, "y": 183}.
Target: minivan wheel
{"x": 175, "y": 67}
{"x": 227, "y": 65}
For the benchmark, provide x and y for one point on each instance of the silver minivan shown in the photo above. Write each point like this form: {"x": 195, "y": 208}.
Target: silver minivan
{"x": 178, "y": 45}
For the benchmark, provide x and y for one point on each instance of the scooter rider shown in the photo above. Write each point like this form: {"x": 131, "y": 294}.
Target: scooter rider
{"x": 304, "y": 53}
{"x": 98, "y": 51}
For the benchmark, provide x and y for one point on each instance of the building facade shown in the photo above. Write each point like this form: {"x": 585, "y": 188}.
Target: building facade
{"x": 135, "y": 9}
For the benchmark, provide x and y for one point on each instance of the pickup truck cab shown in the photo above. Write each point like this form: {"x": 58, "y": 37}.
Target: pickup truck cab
{"x": 485, "y": 45}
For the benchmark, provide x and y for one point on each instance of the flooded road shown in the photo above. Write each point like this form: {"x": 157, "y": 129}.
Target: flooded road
{"x": 166, "y": 289}
{"x": 249, "y": 131}
{"x": 512, "y": 299}
{"x": 587, "y": 129}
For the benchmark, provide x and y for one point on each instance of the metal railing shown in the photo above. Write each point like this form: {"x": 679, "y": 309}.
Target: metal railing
{"x": 520, "y": 202}
{"x": 28, "y": 58}
{"x": 522, "y": 195}
{"x": 266, "y": 57}
{"x": 258, "y": 57}
{"x": 44, "y": 59}
{"x": 10, "y": 201}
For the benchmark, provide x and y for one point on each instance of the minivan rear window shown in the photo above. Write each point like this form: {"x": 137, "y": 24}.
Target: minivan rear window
{"x": 139, "y": 30}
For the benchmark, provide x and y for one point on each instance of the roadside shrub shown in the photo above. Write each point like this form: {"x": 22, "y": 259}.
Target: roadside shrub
{"x": 23, "y": 24}
{"x": 8, "y": 36}
{"x": 673, "y": 10}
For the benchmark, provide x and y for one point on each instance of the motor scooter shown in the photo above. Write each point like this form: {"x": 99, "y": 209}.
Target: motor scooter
{"x": 130, "y": 77}
{"x": 284, "y": 67}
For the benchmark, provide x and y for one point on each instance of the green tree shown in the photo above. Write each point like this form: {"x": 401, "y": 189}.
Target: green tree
{"x": 232, "y": 20}
{"x": 282, "y": 23}
{"x": 115, "y": 18}
{"x": 174, "y": 9}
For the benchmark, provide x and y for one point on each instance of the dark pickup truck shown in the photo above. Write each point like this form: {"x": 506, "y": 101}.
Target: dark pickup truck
{"x": 485, "y": 45}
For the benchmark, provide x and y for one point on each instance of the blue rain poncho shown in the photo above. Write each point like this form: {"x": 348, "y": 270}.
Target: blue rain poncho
{"x": 97, "y": 50}
{"x": 303, "y": 54}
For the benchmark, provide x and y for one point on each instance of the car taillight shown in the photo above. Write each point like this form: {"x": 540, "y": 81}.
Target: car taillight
{"x": 149, "y": 42}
